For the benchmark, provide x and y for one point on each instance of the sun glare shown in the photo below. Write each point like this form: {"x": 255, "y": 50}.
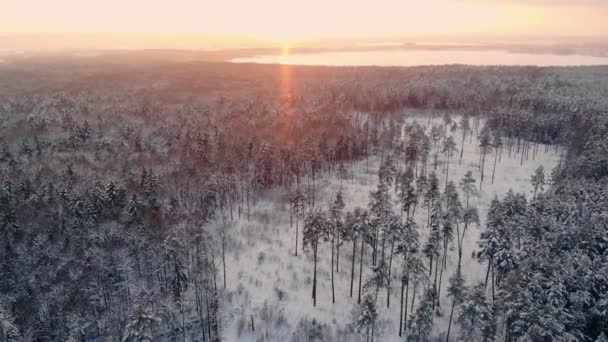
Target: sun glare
{"x": 284, "y": 49}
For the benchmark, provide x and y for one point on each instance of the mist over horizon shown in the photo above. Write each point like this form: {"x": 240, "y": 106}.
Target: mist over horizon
{"x": 66, "y": 42}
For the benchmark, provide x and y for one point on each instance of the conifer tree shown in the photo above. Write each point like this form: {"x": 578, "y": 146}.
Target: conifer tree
{"x": 366, "y": 317}
{"x": 467, "y": 184}
{"x": 485, "y": 145}
{"x": 316, "y": 229}
{"x": 423, "y": 319}
{"x": 449, "y": 148}
{"x": 538, "y": 180}
{"x": 456, "y": 291}
{"x": 298, "y": 206}
{"x": 465, "y": 126}
{"x": 477, "y": 316}
{"x": 140, "y": 325}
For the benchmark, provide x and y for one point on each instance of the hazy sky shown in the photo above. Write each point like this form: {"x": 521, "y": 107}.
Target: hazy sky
{"x": 301, "y": 19}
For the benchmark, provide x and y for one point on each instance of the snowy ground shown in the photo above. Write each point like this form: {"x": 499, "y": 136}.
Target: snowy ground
{"x": 268, "y": 283}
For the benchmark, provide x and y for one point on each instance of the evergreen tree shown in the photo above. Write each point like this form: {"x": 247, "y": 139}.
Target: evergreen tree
{"x": 366, "y": 317}
{"x": 457, "y": 292}
{"x": 477, "y": 316}
{"x": 467, "y": 184}
{"x": 9, "y": 331}
{"x": 407, "y": 194}
{"x": 432, "y": 194}
{"x": 298, "y": 206}
{"x": 380, "y": 207}
{"x": 140, "y": 325}
{"x": 497, "y": 145}
{"x": 336, "y": 222}
{"x": 423, "y": 319}
{"x": 134, "y": 215}
{"x": 316, "y": 229}
{"x": 433, "y": 245}
{"x": 485, "y": 146}
{"x": 465, "y": 126}
{"x": 449, "y": 148}
{"x": 538, "y": 180}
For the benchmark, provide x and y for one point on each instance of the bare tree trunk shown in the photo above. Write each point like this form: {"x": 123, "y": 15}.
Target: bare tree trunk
{"x": 361, "y": 268}
{"x": 483, "y": 166}
{"x": 413, "y": 300}
{"x": 296, "y": 235}
{"x": 488, "y": 273}
{"x": 447, "y": 169}
{"x": 333, "y": 292}
{"x": 493, "y": 280}
{"x": 314, "y": 277}
{"x": 401, "y": 308}
{"x": 390, "y": 263}
{"x": 494, "y": 170}
{"x": 352, "y": 270}
{"x": 462, "y": 147}
{"x": 435, "y": 280}
{"x": 447, "y": 337}
{"x": 338, "y": 254}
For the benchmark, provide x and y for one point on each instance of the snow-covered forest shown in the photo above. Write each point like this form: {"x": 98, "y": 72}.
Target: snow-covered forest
{"x": 188, "y": 201}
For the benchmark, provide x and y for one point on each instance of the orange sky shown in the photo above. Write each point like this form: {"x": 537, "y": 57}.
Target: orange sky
{"x": 289, "y": 20}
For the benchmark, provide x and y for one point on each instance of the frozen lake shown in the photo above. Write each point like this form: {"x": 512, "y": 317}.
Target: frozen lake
{"x": 426, "y": 57}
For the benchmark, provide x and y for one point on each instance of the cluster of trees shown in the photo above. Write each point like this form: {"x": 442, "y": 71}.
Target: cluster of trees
{"x": 115, "y": 215}
{"x": 382, "y": 231}
{"x": 118, "y": 187}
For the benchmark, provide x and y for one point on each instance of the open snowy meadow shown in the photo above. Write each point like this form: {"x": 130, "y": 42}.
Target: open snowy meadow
{"x": 268, "y": 295}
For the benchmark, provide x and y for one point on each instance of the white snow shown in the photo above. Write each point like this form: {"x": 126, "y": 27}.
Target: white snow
{"x": 267, "y": 281}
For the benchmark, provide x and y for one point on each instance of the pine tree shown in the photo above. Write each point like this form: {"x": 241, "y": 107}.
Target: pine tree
{"x": 467, "y": 184}
{"x": 298, "y": 206}
{"x": 387, "y": 171}
{"x": 342, "y": 173}
{"x": 379, "y": 279}
{"x": 5, "y": 153}
{"x": 465, "y": 126}
{"x": 490, "y": 239}
{"x": 423, "y": 319}
{"x": 316, "y": 229}
{"x": 408, "y": 247}
{"x": 497, "y": 145}
{"x": 140, "y": 325}
{"x": 380, "y": 207}
{"x": 337, "y": 225}
{"x": 449, "y": 148}
{"x": 485, "y": 145}
{"x": 450, "y": 218}
{"x": 469, "y": 216}
{"x": 363, "y": 228}
{"x": 436, "y": 134}
{"x": 538, "y": 180}
{"x": 477, "y": 316}
{"x": 9, "y": 331}
{"x": 407, "y": 194}
{"x": 432, "y": 194}
{"x": 134, "y": 213}
{"x": 366, "y": 317}
{"x": 433, "y": 245}
{"x": 457, "y": 292}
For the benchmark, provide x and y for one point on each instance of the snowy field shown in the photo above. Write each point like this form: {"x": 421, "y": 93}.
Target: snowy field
{"x": 269, "y": 286}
